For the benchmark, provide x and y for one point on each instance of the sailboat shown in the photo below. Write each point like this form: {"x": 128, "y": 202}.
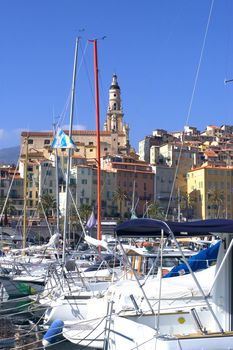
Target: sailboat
{"x": 205, "y": 325}
{"x": 137, "y": 301}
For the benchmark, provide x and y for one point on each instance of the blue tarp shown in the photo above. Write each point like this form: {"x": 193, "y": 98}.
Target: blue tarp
{"x": 199, "y": 261}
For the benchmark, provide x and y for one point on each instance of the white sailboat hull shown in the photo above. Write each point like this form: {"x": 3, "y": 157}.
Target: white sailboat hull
{"x": 127, "y": 334}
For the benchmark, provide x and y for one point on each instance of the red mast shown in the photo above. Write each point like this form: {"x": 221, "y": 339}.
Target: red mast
{"x": 97, "y": 140}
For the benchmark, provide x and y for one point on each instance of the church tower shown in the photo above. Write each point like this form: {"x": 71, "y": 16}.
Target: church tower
{"x": 115, "y": 114}
{"x": 114, "y": 121}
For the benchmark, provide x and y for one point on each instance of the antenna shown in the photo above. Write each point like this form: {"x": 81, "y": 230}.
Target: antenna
{"x": 226, "y": 81}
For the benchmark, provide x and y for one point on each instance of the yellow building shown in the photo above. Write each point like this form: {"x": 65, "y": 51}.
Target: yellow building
{"x": 210, "y": 192}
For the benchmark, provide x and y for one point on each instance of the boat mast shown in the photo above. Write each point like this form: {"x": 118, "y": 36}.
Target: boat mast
{"x": 57, "y": 184}
{"x": 97, "y": 140}
{"x": 25, "y": 193}
{"x": 69, "y": 152}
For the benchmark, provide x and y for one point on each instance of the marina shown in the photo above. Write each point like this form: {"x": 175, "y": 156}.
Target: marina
{"x": 105, "y": 245}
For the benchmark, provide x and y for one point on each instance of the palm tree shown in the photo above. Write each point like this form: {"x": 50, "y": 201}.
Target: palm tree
{"x": 154, "y": 211}
{"x": 85, "y": 211}
{"x": 75, "y": 225}
{"x": 120, "y": 196}
{"x": 48, "y": 203}
{"x": 187, "y": 204}
{"x": 9, "y": 209}
{"x": 215, "y": 200}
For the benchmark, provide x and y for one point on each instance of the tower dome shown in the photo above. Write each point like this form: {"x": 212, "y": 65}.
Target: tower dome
{"x": 114, "y": 84}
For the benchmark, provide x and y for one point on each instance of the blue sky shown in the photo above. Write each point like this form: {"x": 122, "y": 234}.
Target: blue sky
{"x": 153, "y": 45}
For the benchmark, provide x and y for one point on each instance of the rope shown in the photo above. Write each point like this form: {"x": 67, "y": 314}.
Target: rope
{"x": 190, "y": 105}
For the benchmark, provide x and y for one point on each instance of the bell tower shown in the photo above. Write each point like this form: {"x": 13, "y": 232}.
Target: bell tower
{"x": 115, "y": 114}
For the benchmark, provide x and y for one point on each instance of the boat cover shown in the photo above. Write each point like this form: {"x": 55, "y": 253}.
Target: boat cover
{"x": 199, "y": 261}
{"x": 152, "y": 228}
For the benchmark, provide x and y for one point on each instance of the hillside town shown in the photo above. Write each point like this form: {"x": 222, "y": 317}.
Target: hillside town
{"x": 180, "y": 175}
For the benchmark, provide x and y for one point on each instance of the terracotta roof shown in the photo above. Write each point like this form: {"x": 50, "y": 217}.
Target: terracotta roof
{"x": 133, "y": 164}
{"x": 132, "y": 171}
{"x": 74, "y": 133}
{"x": 211, "y": 167}
{"x": 77, "y": 156}
{"x": 210, "y": 153}
{"x": 213, "y": 126}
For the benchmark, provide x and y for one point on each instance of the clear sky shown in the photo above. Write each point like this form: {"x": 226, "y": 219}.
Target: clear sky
{"x": 153, "y": 46}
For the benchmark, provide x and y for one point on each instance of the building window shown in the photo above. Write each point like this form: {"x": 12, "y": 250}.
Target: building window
{"x": 30, "y": 142}
{"x": 46, "y": 142}
{"x": 105, "y": 149}
{"x": 91, "y": 150}
{"x": 91, "y": 143}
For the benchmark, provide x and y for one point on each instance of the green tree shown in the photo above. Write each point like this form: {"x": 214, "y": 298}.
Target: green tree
{"x": 85, "y": 211}
{"x": 187, "y": 204}
{"x": 120, "y": 196}
{"x": 48, "y": 203}
{"x": 9, "y": 209}
{"x": 154, "y": 211}
{"x": 215, "y": 202}
{"x": 75, "y": 225}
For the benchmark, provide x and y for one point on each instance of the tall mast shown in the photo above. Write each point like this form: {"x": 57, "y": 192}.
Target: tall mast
{"x": 25, "y": 193}
{"x": 69, "y": 151}
{"x": 97, "y": 140}
{"x": 57, "y": 184}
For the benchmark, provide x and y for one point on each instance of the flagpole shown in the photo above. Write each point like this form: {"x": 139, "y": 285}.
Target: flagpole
{"x": 69, "y": 152}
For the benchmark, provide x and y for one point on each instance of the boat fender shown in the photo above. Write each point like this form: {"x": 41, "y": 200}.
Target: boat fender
{"x": 52, "y": 333}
